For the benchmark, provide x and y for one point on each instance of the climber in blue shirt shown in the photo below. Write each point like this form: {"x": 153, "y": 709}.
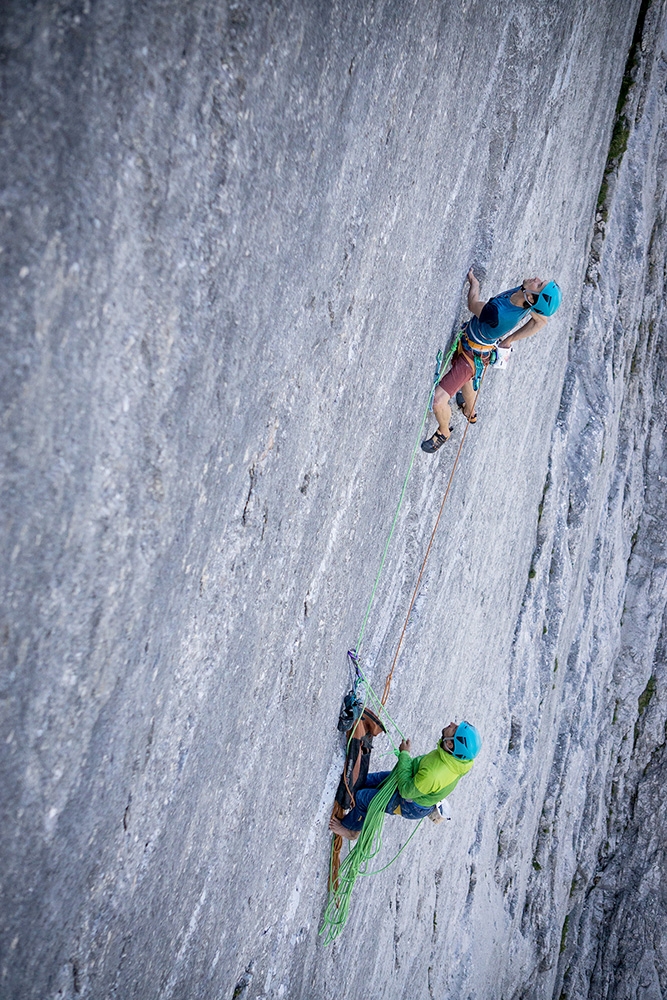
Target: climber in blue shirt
{"x": 489, "y": 328}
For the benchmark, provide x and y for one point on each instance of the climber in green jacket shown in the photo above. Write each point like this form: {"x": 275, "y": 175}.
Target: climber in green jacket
{"x": 422, "y": 781}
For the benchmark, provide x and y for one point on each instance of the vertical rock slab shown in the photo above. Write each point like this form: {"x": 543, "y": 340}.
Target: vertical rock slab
{"x": 233, "y": 237}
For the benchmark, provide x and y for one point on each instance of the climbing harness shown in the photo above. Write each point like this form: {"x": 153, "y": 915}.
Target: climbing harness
{"x": 478, "y": 356}
{"x": 342, "y": 876}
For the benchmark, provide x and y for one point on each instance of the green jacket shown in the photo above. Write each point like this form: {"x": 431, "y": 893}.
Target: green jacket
{"x": 428, "y": 779}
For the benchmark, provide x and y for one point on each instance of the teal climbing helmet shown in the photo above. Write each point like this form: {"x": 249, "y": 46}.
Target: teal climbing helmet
{"x": 548, "y": 300}
{"x": 467, "y": 742}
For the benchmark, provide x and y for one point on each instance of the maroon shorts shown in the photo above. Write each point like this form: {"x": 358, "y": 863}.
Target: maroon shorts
{"x": 457, "y": 376}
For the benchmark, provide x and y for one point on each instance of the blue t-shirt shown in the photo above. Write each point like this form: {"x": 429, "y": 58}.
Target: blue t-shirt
{"x": 496, "y": 319}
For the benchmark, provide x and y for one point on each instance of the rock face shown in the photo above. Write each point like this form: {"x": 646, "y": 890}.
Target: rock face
{"x": 233, "y": 238}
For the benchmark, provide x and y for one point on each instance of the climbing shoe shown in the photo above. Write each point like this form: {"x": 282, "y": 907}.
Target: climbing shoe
{"x": 460, "y": 402}
{"x": 436, "y": 441}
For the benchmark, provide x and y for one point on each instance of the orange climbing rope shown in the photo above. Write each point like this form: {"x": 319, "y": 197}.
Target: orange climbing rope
{"x": 335, "y": 915}
{"x": 387, "y": 683}
{"x": 338, "y": 812}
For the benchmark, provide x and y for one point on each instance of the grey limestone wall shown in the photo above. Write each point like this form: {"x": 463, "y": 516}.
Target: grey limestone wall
{"x": 233, "y": 236}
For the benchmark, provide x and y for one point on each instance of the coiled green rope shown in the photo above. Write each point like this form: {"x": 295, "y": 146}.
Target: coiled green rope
{"x": 367, "y": 846}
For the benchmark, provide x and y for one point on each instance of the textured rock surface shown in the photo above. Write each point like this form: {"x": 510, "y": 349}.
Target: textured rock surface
{"x": 233, "y": 237}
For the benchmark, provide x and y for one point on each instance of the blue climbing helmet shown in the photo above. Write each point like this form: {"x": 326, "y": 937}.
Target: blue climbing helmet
{"x": 467, "y": 742}
{"x": 548, "y": 300}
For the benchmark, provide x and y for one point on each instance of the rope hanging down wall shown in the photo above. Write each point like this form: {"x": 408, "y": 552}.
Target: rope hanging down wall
{"x": 343, "y": 877}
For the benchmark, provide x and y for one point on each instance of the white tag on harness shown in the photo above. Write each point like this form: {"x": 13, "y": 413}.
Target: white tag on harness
{"x": 503, "y": 357}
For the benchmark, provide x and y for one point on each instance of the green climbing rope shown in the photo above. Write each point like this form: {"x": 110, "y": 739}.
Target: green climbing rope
{"x": 369, "y": 842}
{"x": 367, "y": 846}
{"x": 440, "y": 368}
{"x": 376, "y": 701}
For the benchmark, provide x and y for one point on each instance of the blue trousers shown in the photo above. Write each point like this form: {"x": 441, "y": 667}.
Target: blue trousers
{"x": 404, "y": 807}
